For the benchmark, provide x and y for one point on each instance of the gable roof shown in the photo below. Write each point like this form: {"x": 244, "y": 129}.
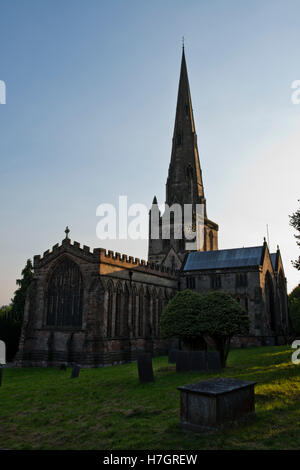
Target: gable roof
{"x": 218, "y": 259}
{"x": 273, "y": 257}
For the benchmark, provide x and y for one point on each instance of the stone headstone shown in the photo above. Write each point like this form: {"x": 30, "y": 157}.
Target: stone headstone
{"x": 182, "y": 361}
{"x": 172, "y": 356}
{"x": 198, "y": 360}
{"x": 75, "y": 372}
{"x": 145, "y": 368}
{"x": 63, "y": 366}
{"x": 213, "y": 361}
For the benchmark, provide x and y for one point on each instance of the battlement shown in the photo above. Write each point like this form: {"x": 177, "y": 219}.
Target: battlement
{"x": 129, "y": 262}
{"x": 67, "y": 246}
{"x": 101, "y": 255}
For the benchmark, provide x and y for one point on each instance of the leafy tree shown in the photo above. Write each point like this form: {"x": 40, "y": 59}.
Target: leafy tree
{"x": 180, "y": 319}
{"x": 295, "y": 222}
{"x": 18, "y": 302}
{"x": 222, "y": 317}
{"x": 294, "y": 306}
{"x": 11, "y": 316}
{"x": 5, "y": 311}
{"x": 192, "y": 317}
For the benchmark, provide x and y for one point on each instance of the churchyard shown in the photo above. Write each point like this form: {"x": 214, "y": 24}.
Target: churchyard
{"x": 107, "y": 408}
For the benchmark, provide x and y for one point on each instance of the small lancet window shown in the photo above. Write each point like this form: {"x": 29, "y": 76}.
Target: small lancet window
{"x": 178, "y": 139}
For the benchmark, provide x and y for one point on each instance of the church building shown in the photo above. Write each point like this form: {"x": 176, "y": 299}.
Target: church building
{"x": 99, "y": 307}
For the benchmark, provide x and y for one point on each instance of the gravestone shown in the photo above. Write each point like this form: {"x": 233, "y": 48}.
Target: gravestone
{"x": 63, "y": 366}
{"x": 213, "y": 361}
{"x": 172, "y": 356}
{"x": 75, "y": 372}
{"x": 145, "y": 369}
{"x": 207, "y": 405}
{"x": 198, "y": 360}
{"x": 182, "y": 361}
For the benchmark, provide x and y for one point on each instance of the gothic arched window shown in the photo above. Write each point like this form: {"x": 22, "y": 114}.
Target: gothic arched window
{"x": 118, "y": 311}
{"x": 109, "y": 310}
{"x": 141, "y": 313}
{"x": 133, "y": 312}
{"x": 282, "y": 296}
{"x": 65, "y": 296}
{"x": 270, "y": 300}
{"x": 211, "y": 240}
{"x": 178, "y": 139}
{"x": 125, "y": 328}
{"x": 154, "y": 313}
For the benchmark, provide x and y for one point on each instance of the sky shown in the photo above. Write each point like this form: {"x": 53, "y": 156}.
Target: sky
{"x": 91, "y": 90}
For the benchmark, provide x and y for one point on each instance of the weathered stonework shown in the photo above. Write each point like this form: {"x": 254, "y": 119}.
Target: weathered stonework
{"x": 123, "y": 298}
{"x": 98, "y": 308}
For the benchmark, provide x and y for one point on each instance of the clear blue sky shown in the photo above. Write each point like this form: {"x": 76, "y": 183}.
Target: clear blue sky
{"x": 91, "y": 96}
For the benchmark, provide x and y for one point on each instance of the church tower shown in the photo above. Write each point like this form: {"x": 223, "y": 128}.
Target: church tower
{"x": 184, "y": 186}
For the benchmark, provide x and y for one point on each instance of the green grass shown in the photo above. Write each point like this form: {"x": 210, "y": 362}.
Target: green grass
{"x": 107, "y": 408}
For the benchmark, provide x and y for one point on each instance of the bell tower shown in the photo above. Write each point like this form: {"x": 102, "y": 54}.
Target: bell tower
{"x": 184, "y": 185}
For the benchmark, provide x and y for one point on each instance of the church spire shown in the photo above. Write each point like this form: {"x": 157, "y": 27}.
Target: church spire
{"x": 184, "y": 184}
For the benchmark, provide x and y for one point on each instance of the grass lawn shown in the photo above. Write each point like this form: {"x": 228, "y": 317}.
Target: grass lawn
{"x": 107, "y": 408}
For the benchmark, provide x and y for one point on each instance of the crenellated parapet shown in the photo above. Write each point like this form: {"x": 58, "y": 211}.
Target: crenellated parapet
{"x": 103, "y": 257}
{"x": 67, "y": 246}
{"x": 122, "y": 261}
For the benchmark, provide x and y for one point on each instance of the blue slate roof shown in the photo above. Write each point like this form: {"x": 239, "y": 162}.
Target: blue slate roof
{"x": 218, "y": 259}
{"x": 273, "y": 259}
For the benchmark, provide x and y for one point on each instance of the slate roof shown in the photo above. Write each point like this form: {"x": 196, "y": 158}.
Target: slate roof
{"x": 218, "y": 259}
{"x": 273, "y": 259}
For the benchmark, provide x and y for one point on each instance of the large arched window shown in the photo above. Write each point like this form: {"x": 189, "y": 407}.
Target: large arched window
{"x": 65, "y": 296}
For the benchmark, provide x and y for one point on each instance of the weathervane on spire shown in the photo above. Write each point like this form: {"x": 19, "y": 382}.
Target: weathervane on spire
{"x": 67, "y": 231}
{"x": 182, "y": 42}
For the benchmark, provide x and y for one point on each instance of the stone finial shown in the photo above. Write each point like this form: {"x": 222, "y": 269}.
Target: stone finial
{"x": 67, "y": 231}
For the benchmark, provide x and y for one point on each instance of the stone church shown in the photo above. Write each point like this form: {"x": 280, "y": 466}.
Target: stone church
{"x": 99, "y": 307}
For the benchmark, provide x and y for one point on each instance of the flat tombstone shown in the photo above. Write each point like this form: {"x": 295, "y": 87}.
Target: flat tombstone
{"x": 209, "y": 404}
{"x": 213, "y": 361}
{"x": 145, "y": 369}
{"x": 198, "y": 360}
{"x": 75, "y": 372}
{"x": 183, "y": 361}
{"x": 172, "y": 356}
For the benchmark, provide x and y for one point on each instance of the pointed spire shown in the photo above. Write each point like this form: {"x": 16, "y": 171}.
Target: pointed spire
{"x": 154, "y": 201}
{"x": 184, "y": 184}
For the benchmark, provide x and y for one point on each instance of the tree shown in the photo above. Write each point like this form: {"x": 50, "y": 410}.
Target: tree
{"x": 193, "y": 317}
{"x": 180, "y": 319}
{"x": 294, "y": 307}
{"x": 5, "y": 311}
{"x": 18, "y": 302}
{"x": 295, "y": 222}
{"x": 11, "y": 316}
{"x": 221, "y": 318}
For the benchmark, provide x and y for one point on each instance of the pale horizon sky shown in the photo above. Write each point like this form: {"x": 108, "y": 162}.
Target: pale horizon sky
{"x": 91, "y": 97}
